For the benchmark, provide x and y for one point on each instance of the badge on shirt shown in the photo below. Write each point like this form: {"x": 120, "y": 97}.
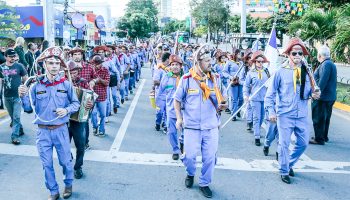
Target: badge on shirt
{"x": 62, "y": 91}
{"x": 192, "y": 91}
{"x": 212, "y": 91}
{"x": 41, "y": 92}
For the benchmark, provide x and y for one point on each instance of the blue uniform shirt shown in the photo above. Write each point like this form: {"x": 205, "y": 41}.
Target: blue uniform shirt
{"x": 46, "y": 99}
{"x": 253, "y": 83}
{"x": 230, "y": 70}
{"x": 168, "y": 88}
{"x": 281, "y": 91}
{"x": 198, "y": 113}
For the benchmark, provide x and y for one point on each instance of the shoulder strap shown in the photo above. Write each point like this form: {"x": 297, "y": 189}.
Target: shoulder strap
{"x": 211, "y": 99}
{"x": 267, "y": 72}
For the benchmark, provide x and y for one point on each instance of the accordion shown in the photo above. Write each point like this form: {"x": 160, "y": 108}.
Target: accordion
{"x": 84, "y": 95}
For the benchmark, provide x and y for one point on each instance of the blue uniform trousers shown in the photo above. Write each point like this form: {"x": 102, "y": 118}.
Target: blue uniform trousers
{"x": 258, "y": 116}
{"x": 271, "y": 133}
{"x": 172, "y": 135}
{"x": 205, "y": 141}
{"x": 122, "y": 89}
{"x": 126, "y": 88}
{"x": 249, "y": 113}
{"x": 161, "y": 111}
{"x": 100, "y": 108}
{"x": 236, "y": 98}
{"x": 286, "y": 126}
{"x": 45, "y": 141}
{"x": 115, "y": 99}
{"x": 132, "y": 81}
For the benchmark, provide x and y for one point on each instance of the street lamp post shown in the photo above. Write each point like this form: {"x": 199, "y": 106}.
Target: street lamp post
{"x": 243, "y": 16}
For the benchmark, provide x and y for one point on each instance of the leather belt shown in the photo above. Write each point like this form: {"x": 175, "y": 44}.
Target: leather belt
{"x": 50, "y": 127}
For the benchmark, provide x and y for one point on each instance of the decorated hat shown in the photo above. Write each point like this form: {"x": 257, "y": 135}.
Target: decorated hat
{"x": 295, "y": 41}
{"x": 52, "y": 52}
{"x": 111, "y": 46}
{"x": 202, "y": 53}
{"x": 97, "y": 60}
{"x": 75, "y": 50}
{"x": 73, "y": 66}
{"x": 174, "y": 58}
{"x": 258, "y": 54}
{"x": 99, "y": 48}
{"x": 220, "y": 54}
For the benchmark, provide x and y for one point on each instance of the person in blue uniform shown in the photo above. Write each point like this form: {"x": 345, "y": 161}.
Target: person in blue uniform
{"x": 292, "y": 87}
{"x": 187, "y": 58}
{"x": 168, "y": 86}
{"x": 242, "y": 76}
{"x": 199, "y": 93}
{"x": 255, "y": 82}
{"x": 52, "y": 99}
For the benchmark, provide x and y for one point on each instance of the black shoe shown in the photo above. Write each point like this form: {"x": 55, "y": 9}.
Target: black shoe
{"x": 316, "y": 142}
{"x": 101, "y": 134}
{"x": 277, "y": 156}
{"x": 115, "y": 110}
{"x": 122, "y": 101}
{"x": 266, "y": 151}
{"x": 227, "y": 110}
{"x": 326, "y": 139}
{"x": 206, "y": 191}
{"x": 291, "y": 172}
{"x": 157, "y": 127}
{"x": 163, "y": 125}
{"x": 249, "y": 126}
{"x": 182, "y": 148}
{"x": 257, "y": 142}
{"x": 78, "y": 173}
{"x": 67, "y": 192}
{"x": 54, "y": 197}
{"x": 239, "y": 114}
{"x": 131, "y": 92}
{"x": 16, "y": 142}
{"x": 176, "y": 156}
{"x": 94, "y": 131}
{"x": 189, "y": 181}
{"x": 286, "y": 179}
{"x": 165, "y": 131}
{"x": 234, "y": 119}
{"x": 11, "y": 124}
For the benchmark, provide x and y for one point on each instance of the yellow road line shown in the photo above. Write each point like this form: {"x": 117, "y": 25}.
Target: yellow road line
{"x": 342, "y": 106}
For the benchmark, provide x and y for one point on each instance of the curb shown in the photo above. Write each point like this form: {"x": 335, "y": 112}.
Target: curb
{"x": 3, "y": 113}
{"x": 342, "y": 106}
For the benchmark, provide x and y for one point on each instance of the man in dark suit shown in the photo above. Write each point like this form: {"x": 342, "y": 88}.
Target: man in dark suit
{"x": 326, "y": 79}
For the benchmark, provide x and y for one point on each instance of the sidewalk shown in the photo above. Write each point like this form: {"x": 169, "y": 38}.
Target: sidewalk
{"x": 3, "y": 113}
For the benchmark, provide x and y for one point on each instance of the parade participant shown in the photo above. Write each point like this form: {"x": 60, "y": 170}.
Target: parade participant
{"x": 88, "y": 74}
{"x": 53, "y": 100}
{"x": 101, "y": 85}
{"x": 187, "y": 58}
{"x": 126, "y": 65}
{"x": 168, "y": 86}
{"x": 271, "y": 134}
{"x": 159, "y": 73}
{"x": 122, "y": 66}
{"x": 219, "y": 68}
{"x": 256, "y": 78}
{"x": 235, "y": 89}
{"x": 242, "y": 76}
{"x": 200, "y": 95}
{"x": 12, "y": 75}
{"x": 77, "y": 129}
{"x": 111, "y": 63}
{"x": 292, "y": 87}
{"x": 135, "y": 64}
{"x": 67, "y": 56}
{"x": 326, "y": 79}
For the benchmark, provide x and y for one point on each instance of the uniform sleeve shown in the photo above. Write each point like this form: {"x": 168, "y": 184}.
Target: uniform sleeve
{"x": 226, "y": 71}
{"x": 156, "y": 74}
{"x": 246, "y": 85}
{"x": 180, "y": 92}
{"x": 26, "y": 105}
{"x": 161, "y": 88}
{"x": 74, "y": 103}
{"x": 242, "y": 77}
{"x": 270, "y": 97}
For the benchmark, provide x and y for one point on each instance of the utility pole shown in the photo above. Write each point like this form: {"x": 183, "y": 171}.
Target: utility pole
{"x": 243, "y": 16}
{"x": 49, "y": 26}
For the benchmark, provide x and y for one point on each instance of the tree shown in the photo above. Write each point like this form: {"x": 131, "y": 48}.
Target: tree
{"x": 175, "y": 25}
{"x": 212, "y": 13}
{"x": 200, "y": 31}
{"x": 10, "y": 27}
{"x": 140, "y": 18}
{"x": 341, "y": 45}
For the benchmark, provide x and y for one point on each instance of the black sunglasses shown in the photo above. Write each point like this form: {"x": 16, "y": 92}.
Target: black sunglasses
{"x": 300, "y": 53}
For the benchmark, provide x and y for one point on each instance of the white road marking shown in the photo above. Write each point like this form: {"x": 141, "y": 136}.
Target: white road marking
{"x": 124, "y": 126}
{"x": 311, "y": 166}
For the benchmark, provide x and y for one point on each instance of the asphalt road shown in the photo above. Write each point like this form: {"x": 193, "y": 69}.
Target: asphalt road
{"x": 134, "y": 162}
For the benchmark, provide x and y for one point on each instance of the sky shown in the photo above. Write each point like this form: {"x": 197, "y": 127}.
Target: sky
{"x": 117, "y": 6}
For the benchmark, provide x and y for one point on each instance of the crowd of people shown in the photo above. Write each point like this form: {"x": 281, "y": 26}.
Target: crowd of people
{"x": 193, "y": 86}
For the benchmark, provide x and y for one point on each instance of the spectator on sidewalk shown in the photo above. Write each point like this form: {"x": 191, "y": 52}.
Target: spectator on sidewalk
{"x": 20, "y": 52}
{"x": 13, "y": 74}
{"x": 30, "y": 58}
{"x": 2, "y": 56}
{"x": 326, "y": 79}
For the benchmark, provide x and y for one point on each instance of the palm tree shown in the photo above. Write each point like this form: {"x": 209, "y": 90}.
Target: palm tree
{"x": 341, "y": 45}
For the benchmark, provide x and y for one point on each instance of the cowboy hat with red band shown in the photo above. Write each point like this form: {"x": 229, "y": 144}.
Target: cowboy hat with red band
{"x": 52, "y": 52}
{"x": 99, "y": 48}
{"x": 293, "y": 42}
{"x": 75, "y": 50}
{"x": 258, "y": 54}
{"x": 111, "y": 46}
{"x": 175, "y": 58}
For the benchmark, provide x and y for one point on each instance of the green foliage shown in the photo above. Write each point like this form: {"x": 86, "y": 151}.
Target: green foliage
{"x": 200, "y": 31}
{"x": 341, "y": 44}
{"x": 175, "y": 25}
{"x": 10, "y": 27}
{"x": 140, "y": 19}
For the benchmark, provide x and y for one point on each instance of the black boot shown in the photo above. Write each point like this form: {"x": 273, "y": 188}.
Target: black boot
{"x": 239, "y": 114}
{"x": 291, "y": 172}
{"x": 257, "y": 142}
{"x": 157, "y": 127}
{"x": 266, "y": 151}
{"x": 182, "y": 148}
{"x": 175, "y": 156}
{"x": 286, "y": 179}
{"x": 189, "y": 181}
{"x": 277, "y": 156}
{"x": 249, "y": 126}
{"x": 206, "y": 191}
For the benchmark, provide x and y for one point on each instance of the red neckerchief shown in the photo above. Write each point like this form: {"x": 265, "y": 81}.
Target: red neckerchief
{"x": 120, "y": 57}
{"x": 54, "y": 83}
